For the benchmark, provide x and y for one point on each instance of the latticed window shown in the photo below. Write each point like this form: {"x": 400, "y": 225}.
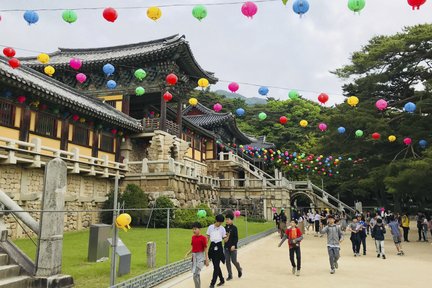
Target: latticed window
{"x": 111, "y": 103}
{"x": 46, "y": 125}
{"x": 107, "y": 142}
{"x": 80, "y": 135}
{"x": 6, "y": 114}
{"x": 197, "y": 143}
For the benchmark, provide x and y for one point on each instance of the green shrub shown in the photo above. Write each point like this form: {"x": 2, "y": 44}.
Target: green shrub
{"x": 159, "y": 216}
{"x": 257, "y": 220}
{"x": 184, "y": 218}
{"x": 134, "y": 197}
{"x": 106, "y": 216}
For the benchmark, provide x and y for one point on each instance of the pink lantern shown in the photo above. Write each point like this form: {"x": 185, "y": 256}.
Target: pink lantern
{"x": 407, "y": 141}
{"x": 75, "y": 117}
{"x": 381, "y": 104}
{"x": 75, "y": 63}
{"x": 114, "y": 131}
{"x": 217, "y": 107}
{"x": 233, "y": 87}
{"x": 322, "y": 127}
{"x": 81, "y": 77}
{"x": 274, "y": 210}
{"x": 21, "y": 99}
{"x": 237, "y": 213}
{"x": 249, "y": 9}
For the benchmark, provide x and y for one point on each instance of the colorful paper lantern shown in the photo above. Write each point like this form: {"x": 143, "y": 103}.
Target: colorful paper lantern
{"x": 154, "y": 13}
{"x": 322, "y": 127}
{"x": 240, "y": 112}
{"x": 123, "y": 221}
{"x": 49, "y": 70}
{"x": 415, "y": 4}
{"x": 14, "y": 63}
{"x": 203, "y": 83}
{"x": 81, "y": 77}
{"x": 341, "y": 130}
{"x": 167, "y": 96}
{"x": 140, "y": 74}
{"x": 381, "y": 104}
{"x": 237, "y": 213}
{"x": 407, "y": 141}
{"x": 300, "y": 7}
{"x": 113, "y": 131}
{"x": 75, "y": 117}
{"x": 423, "y": 143}
{"x": 75, "y": 63}
{"x": 249, "y": 9}
{"x": 263, "y": 91}
{"x": 359, "y": 133}
{"x": 193, "y": 101}
{"x": 69, "y": 16}
{"x": 353, "y": 101}
{"x": 410, "y": 107}
{"x": 392, "y": 138}
{"x": 139, "y": 91}
{"x": 304, "y": 123}
{"x": 233, "y": 87}
{"x": 217, "y": 107}
{"x": 283, "y": 120}
{"x": 199, "y": 12}
{"x": 201, "y": 213}
{"x": 171, "y": 79}
{"x": 9, "y": 52}
{"x": 293, "y": 94}
{"x": 108, "y": 69}
{"x": 376, "y": 136}
{"x": 31, "y": 17}
{"x": 323, "y": 98}
{"x": 43, "y": 58}
{"x": 21, "y": 99}
{"x": 110, "y": 14}
{"x": 356, "y": 5}
{"x": 262, "y": 116}
{"x": 111, "y": 84}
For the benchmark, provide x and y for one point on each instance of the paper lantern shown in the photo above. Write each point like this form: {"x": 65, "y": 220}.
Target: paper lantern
{"x": 283, "y": 120}
{"x": 237, "y": 213}
{"x": 21, "y": 99}
{"x": 140, "y": 74}
{"x": 111, "y": 84}
{"x": 113, "y": 131}
{"x": 43, "y": 58}
{"x": 81, "y": 77}
{"x": 322, "y": 127}
{"x": 75, "y": 117}
{"x": 171, "y": 79}
{"x": 415, "y": 4}
{"x": 240, "y": 112}
{"x": 341, "y": 130}
{"x": 249, "y": 9}
{"x": 139, "y": 91}
{"x": 423, "y": 143}
{"x": 293, "y": 94}
{"x": 82, "y": 120}
{"x": 123, "y": 221}
{"x": 410, "y": 107}
{"x": 9, "y": 52}
{"x": 154, "y": 13}
{"x": 201, "y": 213}
{"x": 263, "y": 91}
{"x": 69, "y": 16}
{"x": 203, "y": 82}
{"x": 381, "y": 104}
{"x": 359, "y": 133}
{"x": 356, "y": 5}
{"x": 199, "y": 12}
{"x": 323, "y": 98}
{"x": 108, "y": 69}
{"x": 304, "y": 123}
{"x": 31, "y": 17}
{"x": 407, "y": 141}
{"x": 217, "y": 107}
{"x": 392, "y": 138}
{"x": 376, "y": 136}
{"x": 168, "y": 96}
{"x": 49, "y": 70}
{"x": 233, "y": 87}
{"x": 14, "y": 63}
{"x": 353, "y": 101}
{"x": 262, "y": 116}
{"x": 75, "y": 63}
{"x": 110, "y": 14}
{"x": 301, "y": 7}
{"x": 193, "y": 101}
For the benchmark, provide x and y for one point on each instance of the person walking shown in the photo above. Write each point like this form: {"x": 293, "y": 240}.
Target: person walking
{"x": 419, "y": 219}
{"x": 294, "y": 236}
{"x": 378, "y": 232}
{"x": 405, "y": 223}
{"x": 199, "y": 253}
{"x": 425, "y": 226}
{"x": 317, "y": 219}
{"x": 282, "y": 223}
{"x": 334, "y": 238}
{"x": 231, "y": 241}
{"x": 355, "y": 228}
{"x": 216, "y": 233}
{"x": 276, "y": 218}
{"x": 362, "y": 233}
{"x": 395, "y": 231}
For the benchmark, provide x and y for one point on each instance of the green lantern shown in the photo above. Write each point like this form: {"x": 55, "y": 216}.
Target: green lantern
{"x": 262, "y": 116}
{"x": 356, "y": 5}
{"x": 293, "y": 94}
{"x": 199, "y": 12}
{"x": 69, "y": 16}
{"x": 140, "y": 74}
{"x": 359, "y": 133}
{"x": 139, "y": 91}
{"x": 201, "y": 214}
{"x": 284, "y": 2}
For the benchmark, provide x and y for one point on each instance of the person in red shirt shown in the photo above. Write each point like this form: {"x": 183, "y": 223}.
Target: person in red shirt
{"x": 199, "y": 253}
{"x": 294, "y": 236}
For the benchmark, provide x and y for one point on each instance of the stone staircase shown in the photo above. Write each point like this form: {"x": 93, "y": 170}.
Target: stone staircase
{"x": 11, "y": 275}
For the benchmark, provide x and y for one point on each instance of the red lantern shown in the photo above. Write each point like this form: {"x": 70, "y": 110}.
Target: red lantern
{"x": 283, "y": 120}
{"x": 323, "y": 98}
{"x": 14, "y": 63}
{"x": 416, "y": 3}
{"x": 9, "y": 52}
{"x": 114, "y": 131}
{"x": 376, "y": 136}
{"x": 21, "y": 99}
{"x": 43, "y": 107}
{"x": 110, "y": 14}
{"x": 167, "y": 96}
{"x": 171, "y": 79}
{"x": 75, "y": 117}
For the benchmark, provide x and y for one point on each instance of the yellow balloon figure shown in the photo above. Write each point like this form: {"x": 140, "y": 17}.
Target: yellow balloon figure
{"x": 353, "y": 101}
{"x": 303, "y": 123}
{"x": 123, "y": 221}
{"x": 154, "y": 13}
{"x": 392, "y": 138}
{"x": 43, "y": 58}
{"x": 49, "y": 70}
{"x": 193, "y": 101}
{"x": 203, "y": 82}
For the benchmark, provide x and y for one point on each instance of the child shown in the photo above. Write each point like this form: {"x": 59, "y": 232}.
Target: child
{"x": 216, "y": 233}
{"x": 231, "y": 241}
{"x": 294, "y": 236}
{"x": 334, "y": 238}
{"x": 317, "y": 219}
{"x": 199, "y": 253}
{"x": 378, "y": 232}
{"x": 355, "y": 229}
{"x": 395, "y": 231}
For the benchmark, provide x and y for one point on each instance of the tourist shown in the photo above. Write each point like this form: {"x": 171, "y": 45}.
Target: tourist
{"x": 323, "y": 220}
{"x": 425, "y": 227}
{"x": 405, "y": 223}
{"x": 419, "y": 219}
{"x": 231, "y": 241}
{"x": 310, "y": 217}
{"x": 362, "y": 233}
{"x": 282, "y": 223}
{"x": 199, "y": 253}
{"x": 334, "y": 238}
{"x": 216, "y": 233}
{"x": 430, "y": 226}
{"x": 276, "y": 218}
{"x": 368, "y": 218}
{"x": 317, "y": 219}
{"x": 395, "y": 231}
{"x": 355, "y": 228}
{"x": 378, "y": 232}
{"x": 343, "y": 221}
{"x": 294, "y": 236}
{"x": 301, "y": 224}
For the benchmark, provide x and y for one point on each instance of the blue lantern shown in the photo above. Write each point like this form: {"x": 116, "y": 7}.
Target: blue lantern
{"x": 301, "y": 7}
{"x": 108, "y": 69}
{"x": 31, "y": 17}
{"x": 341, "y": 130}
{"x": 263, "y": 91}
{"x": 240, "y": 111}
{"x": 111, "y": 84}
{"x": 7, "y": 93}
{"x": 423, "y": 143}
{"x": 410, "y": 107}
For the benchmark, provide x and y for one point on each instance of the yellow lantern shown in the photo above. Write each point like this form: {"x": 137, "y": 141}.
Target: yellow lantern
{"x": 49, "y": 70}
{"x": 82, "y": 120}
{"x": 43, "y": 58}
{"x": 392, "y": 138}
{"x": 303, "y": 123}
{"x": 193, "y": 101}
{"x": 123, "y": 221}
{"x": 154, "y": 13}
{"x": 203, "y": 82}
{"x": 353, "y": 101}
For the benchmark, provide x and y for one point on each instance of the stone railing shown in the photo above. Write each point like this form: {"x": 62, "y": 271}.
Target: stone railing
{"x": 151, "y": 124}
{"x": 35, "y": 155}
{"x": 243, "y": 183}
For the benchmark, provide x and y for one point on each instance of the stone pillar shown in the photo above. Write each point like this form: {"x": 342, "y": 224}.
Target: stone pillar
{"x": 151, "y": 254}
{"x": 49, "y": 250}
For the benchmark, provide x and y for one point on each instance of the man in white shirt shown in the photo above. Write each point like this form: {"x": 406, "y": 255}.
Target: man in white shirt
{"x": 216, "y": 233}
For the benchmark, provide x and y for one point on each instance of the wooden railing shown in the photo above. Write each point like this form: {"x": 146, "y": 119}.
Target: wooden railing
{"x": 35, "y": 155}
{"x": 151, "y": 124}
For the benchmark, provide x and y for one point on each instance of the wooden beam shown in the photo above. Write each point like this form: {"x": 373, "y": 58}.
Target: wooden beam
{"x": 64, "y": 134}
{"x": 126, "y": 104}
{"x": 179, "y": 118}
{"x": 25, "y": 124}
{"x": 95, "y": 143}
{"x": 162, "y": 124}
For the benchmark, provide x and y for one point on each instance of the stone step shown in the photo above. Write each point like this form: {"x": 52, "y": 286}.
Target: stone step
{"x": 15, "y": 282}
{"x": 4, "y": 259}
{"x": 7, "y": 271}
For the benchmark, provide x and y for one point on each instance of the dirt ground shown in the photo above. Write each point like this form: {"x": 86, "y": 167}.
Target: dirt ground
{"x": 266, "y": 265}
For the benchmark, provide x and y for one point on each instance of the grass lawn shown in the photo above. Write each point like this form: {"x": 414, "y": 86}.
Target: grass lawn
{"x": 87, "y": 274}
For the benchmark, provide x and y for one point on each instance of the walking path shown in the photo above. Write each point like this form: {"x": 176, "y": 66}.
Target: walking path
{"x": 266, "y": 265}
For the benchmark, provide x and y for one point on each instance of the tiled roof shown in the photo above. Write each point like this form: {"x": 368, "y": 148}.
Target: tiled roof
{"x": 260, "y": 142}
{"x": 54, "y": 91}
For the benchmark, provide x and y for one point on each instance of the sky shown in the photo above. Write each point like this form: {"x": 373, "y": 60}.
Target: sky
{"x": 276, "y": 48}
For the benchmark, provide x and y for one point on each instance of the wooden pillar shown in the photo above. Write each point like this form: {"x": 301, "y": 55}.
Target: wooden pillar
{"x": 179, "y": 118}
{"x": 64, "y": 134}
{"x": 25, "y": 124}
{"x": 117, "y": 148}
{"x": 214, "y": 148}
{"x": 95, "y": 143}
{"x": 126, "y": 104}
{"x": 193, "y": 146}
{"x": 162, "y": 124}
